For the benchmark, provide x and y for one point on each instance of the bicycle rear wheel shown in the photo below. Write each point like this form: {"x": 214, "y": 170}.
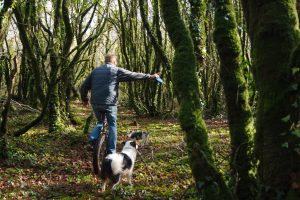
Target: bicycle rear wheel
{"x": 99, "y": 153}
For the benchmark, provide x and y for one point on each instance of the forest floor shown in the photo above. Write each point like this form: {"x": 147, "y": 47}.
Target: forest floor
{"x": 58, "y": 165}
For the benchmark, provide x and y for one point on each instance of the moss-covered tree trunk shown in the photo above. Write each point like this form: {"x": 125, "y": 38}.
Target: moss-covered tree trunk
{"x": 274, "y": 32}
{"x": 4, "y": 24}
{"x": 4, "y": 14}
{"x": 54, "y": 109}
{"x": 236, "y": 93}
{"x": 187, "y": 90}
{"x": 27, "y": 44}
{"x": 54, "y": 115}
{"x": 161, "y": 58}
{"x": 9, "y": 76}
{"x": 197, "y": 29}
{"x": 68, "y": 77}
{"x": 125, "y": 55}
{"x": 55, "y": 64}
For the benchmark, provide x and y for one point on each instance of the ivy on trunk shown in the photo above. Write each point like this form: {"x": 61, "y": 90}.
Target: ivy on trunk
{"x": 274, "y": 32}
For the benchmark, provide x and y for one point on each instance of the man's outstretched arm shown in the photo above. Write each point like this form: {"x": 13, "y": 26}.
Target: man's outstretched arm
{"x": 126, "y": 75}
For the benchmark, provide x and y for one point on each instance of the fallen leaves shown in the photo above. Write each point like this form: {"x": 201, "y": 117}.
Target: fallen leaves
{"x": 50, "y": 166}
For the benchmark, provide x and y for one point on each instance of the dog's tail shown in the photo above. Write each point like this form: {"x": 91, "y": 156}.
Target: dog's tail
{"x": 106, "y": 169}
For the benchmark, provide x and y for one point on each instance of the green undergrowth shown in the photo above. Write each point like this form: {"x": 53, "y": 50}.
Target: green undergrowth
{"x": 58, "y": 165}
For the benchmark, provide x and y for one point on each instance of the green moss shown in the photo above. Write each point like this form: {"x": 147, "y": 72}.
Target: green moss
{"x": 55, "y": 120}
{"x": 237, "y": 100}
{"x": 197, "y": 29}
{"x": 187, "y": 90}
{"x": 274, "y": 31}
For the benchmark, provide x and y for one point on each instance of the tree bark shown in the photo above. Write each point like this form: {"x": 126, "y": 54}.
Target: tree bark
{"x": 6, "y": 5}
{"x": 55, "y": 121}
{"x": 9, "y": 73}
{"x": 3, "y": 13}
{"x": 237, "y": 99}
{"x": 68, "y": 78}
{"x": 158, "y": 48}
{"x": 187, "y": 90}
{"x": 274, "y": 32}
{"x": 33, "y": 60}
{"x": 160, "y": 57}
{"x": 197, "y": 29}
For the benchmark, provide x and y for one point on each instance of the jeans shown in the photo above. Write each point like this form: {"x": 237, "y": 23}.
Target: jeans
{"x": 111, "y": 116}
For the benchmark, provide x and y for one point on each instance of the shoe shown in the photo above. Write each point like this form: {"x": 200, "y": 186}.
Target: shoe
{"x": 94, "y": 135}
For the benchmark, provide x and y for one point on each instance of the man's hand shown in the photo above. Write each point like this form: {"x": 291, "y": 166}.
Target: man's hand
{"x": 85, "y": 103}
{"x": 153, "y": 76}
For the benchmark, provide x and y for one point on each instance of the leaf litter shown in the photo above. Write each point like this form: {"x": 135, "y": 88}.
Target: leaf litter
{"x": 58, "y": 165}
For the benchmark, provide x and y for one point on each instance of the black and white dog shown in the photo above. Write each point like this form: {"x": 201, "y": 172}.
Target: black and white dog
{"x": 117, "y": 164}
{"x": 139, "y": 135}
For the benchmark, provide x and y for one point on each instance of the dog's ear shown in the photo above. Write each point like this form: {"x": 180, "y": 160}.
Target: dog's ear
{"x": 133, "y": 143}
{"x": 129, "y": 134}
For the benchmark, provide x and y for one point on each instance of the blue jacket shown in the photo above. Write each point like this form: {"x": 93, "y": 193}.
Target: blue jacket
{"x": 104, "y": 82}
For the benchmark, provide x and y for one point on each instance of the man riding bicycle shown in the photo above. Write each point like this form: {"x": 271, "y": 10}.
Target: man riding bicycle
{"x": 103, "y": 83}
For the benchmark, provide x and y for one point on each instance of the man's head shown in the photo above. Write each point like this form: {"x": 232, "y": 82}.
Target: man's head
{"x": 111, "y": 58}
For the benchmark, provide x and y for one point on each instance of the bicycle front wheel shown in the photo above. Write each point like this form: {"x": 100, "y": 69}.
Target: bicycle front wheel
{"x": 99, "y": 152}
